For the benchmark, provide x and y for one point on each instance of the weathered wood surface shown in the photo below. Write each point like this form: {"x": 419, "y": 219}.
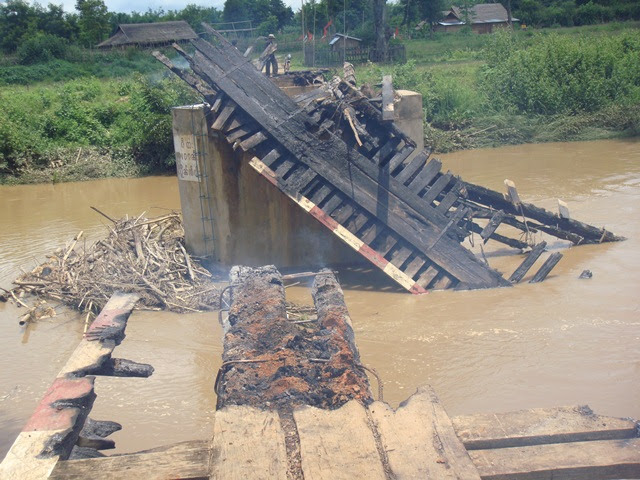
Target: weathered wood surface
{"x": 539, "y": 426}
{"x": 338, "y": 444}
{"x": 55, "y": 427}
{"x": 420, "y": 441}
{"x": 597, "y": 460}
{"x": 185, "y": 460}
{"x": 248, "y": 443}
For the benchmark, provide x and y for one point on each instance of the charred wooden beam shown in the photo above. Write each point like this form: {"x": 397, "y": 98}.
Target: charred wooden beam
{"x": 269, "y": 362}
{"x": 573, "y": 230}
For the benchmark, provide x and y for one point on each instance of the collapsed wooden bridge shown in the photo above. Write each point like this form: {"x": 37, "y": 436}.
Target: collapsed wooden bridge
{"x": 334, "y": 154}
{"x": 294, "y": 403}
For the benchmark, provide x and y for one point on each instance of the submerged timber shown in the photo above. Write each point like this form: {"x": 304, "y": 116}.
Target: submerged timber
{"x": 336, "y": 154}
{"x": 285, "y": 414}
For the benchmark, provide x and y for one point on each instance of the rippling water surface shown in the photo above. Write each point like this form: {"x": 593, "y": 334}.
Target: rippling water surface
{"x": 564, "y": 341}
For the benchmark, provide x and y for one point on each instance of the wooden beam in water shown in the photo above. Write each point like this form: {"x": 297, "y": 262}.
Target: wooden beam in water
{"x": 546, "y": 267}
{"x": 528, "y": 262}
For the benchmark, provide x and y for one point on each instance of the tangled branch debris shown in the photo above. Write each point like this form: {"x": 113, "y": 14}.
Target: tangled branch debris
{"x": 140, "y": 255}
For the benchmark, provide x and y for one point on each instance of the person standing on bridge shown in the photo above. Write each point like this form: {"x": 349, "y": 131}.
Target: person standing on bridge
{"x": 268, "y": 57}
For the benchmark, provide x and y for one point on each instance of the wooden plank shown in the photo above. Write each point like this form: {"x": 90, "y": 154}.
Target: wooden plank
{"x": 384, "y": 242}
{"x": 224, "y": 115}
{"x": 252, "y": 141}
{"x": 416, "y": 163}
{"x": 271, "y": 157}
{"x": 321, "y": 194}
{"x": 332, "y": 203}
{"x": 449, "y": 199}
{"x": 240, "y": 132}
{"x": 185, "y": 460}
{"x": 539, "y": 426}
{"x": 301, "y": 180}
{"x": 248, "y": 443}
{"x": 343, "y": 213}
{"x": 386, "y": 150}
{"x": 492, "y": 226}
{"x": 528, "y": 262}
{"x": 512, "y": 192}
{"x": 398, "y": 158}
{"x": 400, "y": 255}
{"x": 597, "y": 460}
{"x": 420, "y": 441}
{"x": 415, "y": 265}
{"x": 425, "y": 176}
{"x": 546, "y": 267}
{"x": 356, "y": 222}
{"x": 427, "y": 276}
{"x": 436, "y": 189}
{"x": 338, "y": 444}
{"x": 563, "y": 209}
{"x": 443, "y": 281}
{"x": 388, "y": 112}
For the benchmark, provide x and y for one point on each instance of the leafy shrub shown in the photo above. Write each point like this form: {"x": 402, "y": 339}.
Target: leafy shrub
{"x": 561, "y": 74}
{"x": 41, "y": 48}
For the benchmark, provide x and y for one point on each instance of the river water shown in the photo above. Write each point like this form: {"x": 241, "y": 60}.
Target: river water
{"x": 564, "y": 341}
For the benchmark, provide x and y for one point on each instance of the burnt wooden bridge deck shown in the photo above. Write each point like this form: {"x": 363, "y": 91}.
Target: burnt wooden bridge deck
{"x": 332, "y": 153}
{"x": 265, "y": 431}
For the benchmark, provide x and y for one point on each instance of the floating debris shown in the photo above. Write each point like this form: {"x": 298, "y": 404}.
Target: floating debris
{"x": 139, "y": 255}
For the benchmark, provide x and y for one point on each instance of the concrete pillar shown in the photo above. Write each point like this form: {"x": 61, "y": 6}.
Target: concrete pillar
{"x": 232, "y": 215}
{"x": 410, "y": 117}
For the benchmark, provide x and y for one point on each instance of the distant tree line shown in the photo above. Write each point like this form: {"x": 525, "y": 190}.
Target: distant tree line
{"x": 36, "y": 27}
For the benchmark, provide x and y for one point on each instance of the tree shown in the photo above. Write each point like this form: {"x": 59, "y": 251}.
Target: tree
{"x": 16, "y": 19}
{"x": 93, "y": 21}
{"x": 380, "y": 27}
{"x": 431, "y": 11}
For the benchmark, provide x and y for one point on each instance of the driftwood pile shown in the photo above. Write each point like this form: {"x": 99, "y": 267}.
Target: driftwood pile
{"x": 139, "y": 255}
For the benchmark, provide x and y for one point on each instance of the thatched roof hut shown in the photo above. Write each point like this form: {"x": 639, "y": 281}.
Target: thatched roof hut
{"x": 150, "y": 34}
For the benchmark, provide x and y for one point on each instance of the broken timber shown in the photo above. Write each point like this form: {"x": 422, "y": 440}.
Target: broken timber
{"x": 349, "y": 169}
{"x": 60, "y": 427}
{"x": 329, "y": 427}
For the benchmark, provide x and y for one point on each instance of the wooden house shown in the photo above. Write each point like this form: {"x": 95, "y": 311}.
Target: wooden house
{"x": 483, "y": 18}
{"x": 150, "y": 34}
{"x": 341, "y": 41}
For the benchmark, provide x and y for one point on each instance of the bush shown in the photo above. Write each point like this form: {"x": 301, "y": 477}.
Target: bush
{"x": 41, "y": 48}
{"x": 561, "y": 74}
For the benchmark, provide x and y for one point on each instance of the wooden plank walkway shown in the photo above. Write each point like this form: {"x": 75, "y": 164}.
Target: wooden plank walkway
{"x": 417, "y": 440}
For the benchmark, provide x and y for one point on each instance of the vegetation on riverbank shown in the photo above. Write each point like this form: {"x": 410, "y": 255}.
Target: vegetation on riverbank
{"x": 89, "y": 114}
{"x": 524, "y": 87}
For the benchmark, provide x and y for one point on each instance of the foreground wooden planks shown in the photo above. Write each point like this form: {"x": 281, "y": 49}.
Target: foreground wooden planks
{"x": 248, "y": 443}
{"x": 598, "y": 460}
{"x": 538, "y": 426}
{"x": 419, "y": 440}
{"x": 338, "y": 444}
{"x": 185, "y": 460}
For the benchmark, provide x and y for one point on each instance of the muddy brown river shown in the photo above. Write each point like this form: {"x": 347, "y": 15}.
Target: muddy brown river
{"x": 564, "y": 341}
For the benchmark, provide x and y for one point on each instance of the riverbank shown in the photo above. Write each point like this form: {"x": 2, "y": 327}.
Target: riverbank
{"x": 478, "y": 91}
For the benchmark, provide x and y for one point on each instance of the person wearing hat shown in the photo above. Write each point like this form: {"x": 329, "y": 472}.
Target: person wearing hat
{"x": 269, "y": 56}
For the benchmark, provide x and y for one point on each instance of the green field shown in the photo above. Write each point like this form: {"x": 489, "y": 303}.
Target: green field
{"x": 96, "y": 114}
